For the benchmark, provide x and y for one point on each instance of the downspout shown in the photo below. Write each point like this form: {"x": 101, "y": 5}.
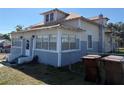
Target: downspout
{"x": 111, "y": 42}
{"x": 21, "y": 37}
{"x": 59, "y": 34}
{"x": 34, "y": 44}
{"x": 101, "y": 34}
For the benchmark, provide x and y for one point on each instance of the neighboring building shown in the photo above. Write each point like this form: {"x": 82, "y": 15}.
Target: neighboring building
{"x": 61, "y": 39}
{"x": 5, "y": 44}
{"x": 1, "y": 36}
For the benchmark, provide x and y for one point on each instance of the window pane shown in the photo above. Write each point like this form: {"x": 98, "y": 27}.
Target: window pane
{"x": 51, "y": 16}
{"x": 89, "y": 41}
{"x": 13, "y": 42}
{"x": 45, "y": 42}
{"x": 39, "y": 42}
{"x": 72, "y": 45}
{"x": 38, "y": 45}
{"x": 16, "y": 42}
{"x": 52, "y": 42}
{"x": 47, "y": 18}
{"x": 72, "y": 40}
{"x": 65, "y": 42}
{"x": 77, "y": 43}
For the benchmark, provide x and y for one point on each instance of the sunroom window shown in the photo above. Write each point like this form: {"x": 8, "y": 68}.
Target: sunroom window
{"x": 72, "y": 41}
{"x": 52, "y": 42}
{"x": 65, "y": 42}
{"x": 39, "y": 42}
{"x": 45, "y": 42}
{"x": 16, "y": 42}
{"x": 69, "y": 42}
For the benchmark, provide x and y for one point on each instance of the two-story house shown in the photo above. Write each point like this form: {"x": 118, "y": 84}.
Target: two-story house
{"x": 61, "y": 39}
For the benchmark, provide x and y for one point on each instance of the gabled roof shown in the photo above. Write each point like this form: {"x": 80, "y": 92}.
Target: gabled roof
{"x": 97, "y": 17}
{"x": 37, "y": 25}
{"x": 71, "y": 16}
{"x": 82, "y": 18}
{"x": 68, "y": 17}
{"x": 54, "y": 10}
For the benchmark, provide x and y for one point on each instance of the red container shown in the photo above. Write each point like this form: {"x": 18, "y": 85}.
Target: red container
{"x": 114, "y": 71}
{"x": 91, "y": 63}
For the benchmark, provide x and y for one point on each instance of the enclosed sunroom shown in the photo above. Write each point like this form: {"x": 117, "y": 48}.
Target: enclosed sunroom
{"x": 54, "y": 45}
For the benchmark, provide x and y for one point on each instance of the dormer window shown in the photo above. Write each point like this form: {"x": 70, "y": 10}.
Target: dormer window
{"x": 47, "y": 18}
{"x": 51, "y": 16}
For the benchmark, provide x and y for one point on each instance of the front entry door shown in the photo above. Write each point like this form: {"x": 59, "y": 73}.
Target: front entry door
{"x": 27, "y": 52}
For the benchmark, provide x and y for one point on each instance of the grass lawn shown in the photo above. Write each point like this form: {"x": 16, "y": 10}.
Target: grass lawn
{"x": 35, "y": 74}
{"x": 40, "y": 74}
{"x": 10, "y": 76}
{"x": 121, "y": 50}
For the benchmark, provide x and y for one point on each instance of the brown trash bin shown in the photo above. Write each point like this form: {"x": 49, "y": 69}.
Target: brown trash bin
{"x": 91, "y": 63}
{"x": 114, "y": 71}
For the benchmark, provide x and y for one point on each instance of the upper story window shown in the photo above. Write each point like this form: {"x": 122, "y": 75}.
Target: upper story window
{"x": 90, "y": 42}
{"x": 49, "y": 17}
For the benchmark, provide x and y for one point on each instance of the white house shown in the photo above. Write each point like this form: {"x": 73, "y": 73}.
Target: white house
{"x": 61, "y": 39}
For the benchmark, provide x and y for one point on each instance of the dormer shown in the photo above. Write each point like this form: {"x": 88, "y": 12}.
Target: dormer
{"x": 53, "y": 15}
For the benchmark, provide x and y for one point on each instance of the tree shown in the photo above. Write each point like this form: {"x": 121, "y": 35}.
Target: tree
{"x": 117, "y": 32}
{"x": 19, "y": 28}
{"x": 6, "y": 36}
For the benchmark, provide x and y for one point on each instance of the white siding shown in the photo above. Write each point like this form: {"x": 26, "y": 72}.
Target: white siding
{"x": 78, "y": 34}
{"x": 59, "y": 15}
{"x": 91, "y": 29}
